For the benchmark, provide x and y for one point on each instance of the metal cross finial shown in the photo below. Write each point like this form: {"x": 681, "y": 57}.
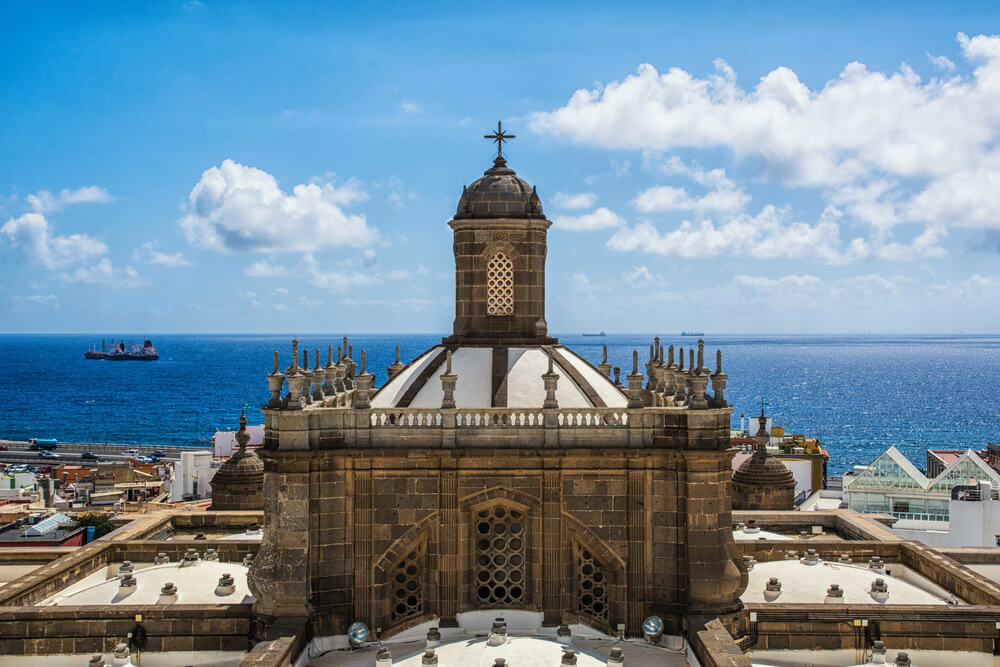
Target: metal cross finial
{"x": 499, "y": 137}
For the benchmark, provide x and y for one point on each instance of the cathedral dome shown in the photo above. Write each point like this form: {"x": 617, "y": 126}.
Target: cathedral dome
{"x": 763, "y": 482}
{"x": 499, "y": 194}
{"x": 238, "y": 484}
{"x": 762, "y": 469}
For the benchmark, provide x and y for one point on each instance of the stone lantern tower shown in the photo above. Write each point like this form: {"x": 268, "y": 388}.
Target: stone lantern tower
{"x": 762, "y": 482}
{"x": 239, "y": 482}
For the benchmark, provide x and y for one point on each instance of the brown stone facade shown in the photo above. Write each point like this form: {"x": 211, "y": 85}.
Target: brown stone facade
{"x": 523, "y": 241}
{"x": 344, "y": 525}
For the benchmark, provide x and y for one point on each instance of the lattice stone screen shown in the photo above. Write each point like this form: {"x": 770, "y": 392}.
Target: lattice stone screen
{"x": 592, "y": 587}
{"x": 500, "y": 285}
{"x": 407, "y": 585}
{"x": 500, "y": 551}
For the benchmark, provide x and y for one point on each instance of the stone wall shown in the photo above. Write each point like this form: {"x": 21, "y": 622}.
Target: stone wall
{"x": 905, "y": 627}
{"x": 97, "y": 629}
{"x": 655, "y": 522}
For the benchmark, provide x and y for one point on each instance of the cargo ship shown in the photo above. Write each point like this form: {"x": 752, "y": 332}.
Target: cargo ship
{"x": 123, "y": 352}
{"x": 692, "y": 333}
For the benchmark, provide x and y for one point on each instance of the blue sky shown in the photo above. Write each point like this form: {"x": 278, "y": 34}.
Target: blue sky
{"x": 730, "y": 167}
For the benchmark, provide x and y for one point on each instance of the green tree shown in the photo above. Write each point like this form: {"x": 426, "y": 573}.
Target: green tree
{"x": 102, "y": 524}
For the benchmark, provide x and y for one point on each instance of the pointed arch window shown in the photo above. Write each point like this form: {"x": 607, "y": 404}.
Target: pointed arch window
{"x": 500, "y": 285}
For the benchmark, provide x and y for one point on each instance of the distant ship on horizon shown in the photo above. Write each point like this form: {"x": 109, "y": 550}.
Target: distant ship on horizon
{"x": 123, "y": 352}
{"x": 602, "y": 333}
{"x": 692, "y": 333}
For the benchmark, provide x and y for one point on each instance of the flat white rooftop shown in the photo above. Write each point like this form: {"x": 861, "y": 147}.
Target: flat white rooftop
{"x": 802, "y": 583}
{"x": 196, "y": 584}
{"x": 517, "y": 651}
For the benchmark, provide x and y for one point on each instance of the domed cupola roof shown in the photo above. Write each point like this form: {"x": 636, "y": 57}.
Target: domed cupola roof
{"x": 499, "y": 194}
{"x": 238, "y": 483}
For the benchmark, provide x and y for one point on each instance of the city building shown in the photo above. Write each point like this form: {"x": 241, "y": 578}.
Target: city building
{"x": 893, "y": 485}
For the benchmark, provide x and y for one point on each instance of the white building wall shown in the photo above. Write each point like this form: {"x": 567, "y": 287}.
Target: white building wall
{"x": 802, "y": 471}
{"x": 192, "y": 472}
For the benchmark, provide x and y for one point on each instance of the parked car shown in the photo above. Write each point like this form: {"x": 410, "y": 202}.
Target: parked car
{"x": 44, "y": 470}
{"x": 159, "y": 453}
{"x": 90, "y": 456}
{"x": 4, "y": 448}
{"x": 133, "y": 453}
{"x": 48, "y": 454}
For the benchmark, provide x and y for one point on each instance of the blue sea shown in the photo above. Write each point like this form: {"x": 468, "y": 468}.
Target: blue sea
{"x": 857, "y": 394}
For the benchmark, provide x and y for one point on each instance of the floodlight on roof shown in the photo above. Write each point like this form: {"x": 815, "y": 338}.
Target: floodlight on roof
{"x": 652, "y": 629}
{"x": 357, "y": 634}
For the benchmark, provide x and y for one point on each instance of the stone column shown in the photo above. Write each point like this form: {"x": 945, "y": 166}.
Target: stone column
{"x": 669, "y": 389}
{"x": 679, "y": 394}
{"x": 329, "y": 373}
{"x": 637, "y": 582}
{"x": 317, "y": 379}
{"x": 280, "y": 575}
{"x": 293, "y": 401}
{"x": 552, "y": 546}
{"x": 550, "y": 379}
{"x": 340, "y": 371}
{"x": 364, "y": 380}
{"x": 719, "y": 383}
{"x": 715, "y": 581}
{"x": 307, "y": 378}
{"x": 274, "y": 383}
{"x": 449, "y": 564}
{"x": 395, "y": 367}
{"x": 635, "y": 383}
{"x": 651, "y": 383}
{"x": 448, "y": 382}
{"x": 699, "y": 381}
{"x": 604, "y": 367}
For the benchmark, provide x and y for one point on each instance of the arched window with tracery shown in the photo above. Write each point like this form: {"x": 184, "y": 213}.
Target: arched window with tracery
{"x": 500, "y": 557}
{"x": 500, "y": 285}
{"x": 592, "y": 585}
{"x": 407, "y": 580}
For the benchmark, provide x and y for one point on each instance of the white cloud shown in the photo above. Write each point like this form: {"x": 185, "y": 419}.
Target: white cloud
{"x": 796, "y": 292}
{"x": 44, "y": 201}
{"x": 30, "y": 234}
{"x": 662, "y": 198}
{"x": 904, "y": 148}
{"x": 641, "y": 276}
{"x": 411, "y": 107}
{"x": 250, "y": 297}
{"x": 770, "y": 235}
{"x": 724, "y": 196}
{"x": 602, "y": 218}
{"x": 104, "y": 273}
{"x": 766, "y": 235}
{"x": 39, "y": 299}
{"x": 335, "y": 279}
{"x": 239, "y": 208}
{"x": 577, "y": 201}
{"x": 265, "y": 269}
{"x": 943, "y": 63}
{"x": 149, "y": 253}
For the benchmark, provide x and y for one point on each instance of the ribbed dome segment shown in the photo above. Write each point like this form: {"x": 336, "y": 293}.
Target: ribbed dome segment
{"x": 764, "y": 470}
{"x": 238, "y": 484}
{"x": 499, "y": 194}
